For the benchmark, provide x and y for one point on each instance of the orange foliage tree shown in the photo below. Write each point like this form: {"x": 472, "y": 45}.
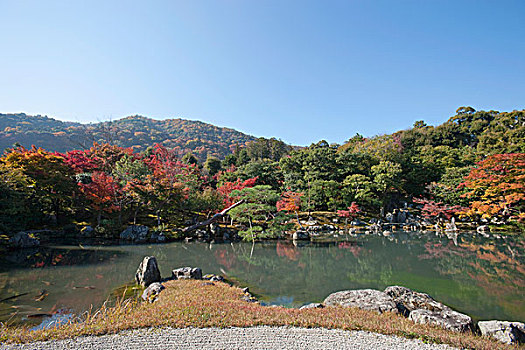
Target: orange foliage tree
{"x": 497, "y": 187}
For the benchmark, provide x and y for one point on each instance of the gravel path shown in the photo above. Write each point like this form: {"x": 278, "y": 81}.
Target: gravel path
{"x": 235, "y": 338}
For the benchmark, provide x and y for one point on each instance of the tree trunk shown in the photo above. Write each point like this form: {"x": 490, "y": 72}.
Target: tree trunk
{"x": 212, "y": 219}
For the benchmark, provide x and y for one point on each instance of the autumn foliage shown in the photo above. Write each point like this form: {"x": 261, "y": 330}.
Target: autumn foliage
{"x": 290, "y": 201}
{"x": 436, "y": 210}
{"x": 352, "y": 210}
{"x": 497, "y": 187}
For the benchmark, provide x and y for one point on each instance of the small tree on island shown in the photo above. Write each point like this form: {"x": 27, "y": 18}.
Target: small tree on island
{"x": 350, "y": 213}
{"x": 256, "y": 211}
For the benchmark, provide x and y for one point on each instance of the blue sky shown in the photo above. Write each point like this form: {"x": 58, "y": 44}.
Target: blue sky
{"x": 301, "y": 71}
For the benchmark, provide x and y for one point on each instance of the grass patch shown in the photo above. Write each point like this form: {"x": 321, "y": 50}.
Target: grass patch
{"x": 189, "y": 303}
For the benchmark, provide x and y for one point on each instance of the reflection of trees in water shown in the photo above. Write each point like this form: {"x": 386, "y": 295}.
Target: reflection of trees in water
{"x": 45, "y": 257}
{"x": 466, "y": 276}
{"x": 496, "y": 266}
{"x": 479, "y": 276}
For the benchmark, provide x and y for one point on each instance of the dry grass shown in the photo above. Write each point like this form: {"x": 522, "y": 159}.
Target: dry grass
{"x": 193, "y": 304}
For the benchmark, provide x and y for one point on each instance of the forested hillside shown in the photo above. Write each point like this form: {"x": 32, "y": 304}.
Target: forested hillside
{"x": 471, "y": 167}
{"x": 183, "y": 136}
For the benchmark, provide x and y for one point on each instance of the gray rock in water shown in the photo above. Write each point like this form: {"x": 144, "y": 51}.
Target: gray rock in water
{"x": 23, "y": 240}
{"x": 148, "y": 271}
{"x": 194, "y": 273}
{"x": 504, "y": 331}
{"x": 300, "y": 235}
{"x": 150, "y": 294}
{"x": 135, "y": 233}
{"x": 407, "y": 300}
{"x": 366, "y": 299}
{"x": 312, "y": 306}
{"x": 447, "y": 319}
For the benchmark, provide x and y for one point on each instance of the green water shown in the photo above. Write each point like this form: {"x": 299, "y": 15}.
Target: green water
{"x": 482, "y": 277}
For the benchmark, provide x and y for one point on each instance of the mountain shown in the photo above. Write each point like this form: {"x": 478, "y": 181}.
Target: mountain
{"x": 138, "y": 132}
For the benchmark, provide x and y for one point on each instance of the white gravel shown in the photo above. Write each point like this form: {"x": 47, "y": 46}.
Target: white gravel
{"x": 234, "y": 338}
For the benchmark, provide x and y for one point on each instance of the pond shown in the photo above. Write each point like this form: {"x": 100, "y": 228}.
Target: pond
{"x": 483, "y": 277}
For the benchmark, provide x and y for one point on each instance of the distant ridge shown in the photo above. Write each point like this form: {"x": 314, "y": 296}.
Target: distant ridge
{"x": 202, "y": 139}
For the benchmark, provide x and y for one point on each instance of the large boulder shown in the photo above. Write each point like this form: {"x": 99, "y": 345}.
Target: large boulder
{"x": 504, "y": 331}
{"x": 135, "y": 233}
{"x": 447, "y": 319}
{"x": 150, "y": 294}
{"x": 148, "y": 271}
{"x": 24, "y": 240}
{"x": 367, "y": 299}
{"x": 194, "y": 273}
{"x": 407, "y": 300}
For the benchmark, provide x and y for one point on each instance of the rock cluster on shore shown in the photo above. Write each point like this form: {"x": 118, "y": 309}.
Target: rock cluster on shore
{"x": 422, "y": 308}
{"x": 418, "y": 307}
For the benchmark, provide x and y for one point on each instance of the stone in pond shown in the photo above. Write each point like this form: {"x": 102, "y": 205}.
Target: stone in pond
{"x": 148, "y": 271}
{"x": 300, "y": 235}
{"x": 23, "y": 240}
{"x": 366, "y": 299}
{"x": 135, "y": 233}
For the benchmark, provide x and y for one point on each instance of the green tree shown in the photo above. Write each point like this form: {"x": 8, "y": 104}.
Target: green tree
{"x": 257, "y": 212}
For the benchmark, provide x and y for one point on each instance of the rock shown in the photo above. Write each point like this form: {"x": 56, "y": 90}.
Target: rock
{"x": 213, "y": 278}
{"x": 312, "y": 306}
{"x": 483, "y": 229}
{"x": 407, "y": 300}
{"x": 402, "y": 217}
{"x": 194, "y": 273}
{"x": 87, "y": 231}
{"x": 150, "y": 294}
{"x": 148, "y": 271}
{"x": 300, "y": 235}
{"x": 504, "y": 331}
{"x": 447, "y": 319}
{"x": 357, "y": 222}
{"x": 157, "y": 237}
{"x": 215, "y": 229}
{"x": 366, "y": 299}
{"x": 135, "y": 233}
{"x": 24, "y": 240}
{"x": 249, "y": 299}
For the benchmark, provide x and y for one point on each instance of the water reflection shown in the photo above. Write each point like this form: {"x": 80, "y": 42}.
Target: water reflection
{"x": 483, "y": 277}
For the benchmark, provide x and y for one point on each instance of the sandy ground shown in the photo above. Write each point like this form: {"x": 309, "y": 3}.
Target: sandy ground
{"x": 235, "y": 338}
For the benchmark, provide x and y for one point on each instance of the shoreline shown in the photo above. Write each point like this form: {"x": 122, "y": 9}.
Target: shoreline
{"x": 204, "y": 304}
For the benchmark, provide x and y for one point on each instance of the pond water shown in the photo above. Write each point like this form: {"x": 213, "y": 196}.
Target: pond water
{"x": 483, "y": 277}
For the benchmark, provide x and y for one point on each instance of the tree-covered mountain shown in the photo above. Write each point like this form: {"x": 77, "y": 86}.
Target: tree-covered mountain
{"x": 471, "y": 166}
{"x": 184, "y": 136}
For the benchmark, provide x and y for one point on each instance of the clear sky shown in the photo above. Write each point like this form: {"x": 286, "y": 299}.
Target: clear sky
{"x": 301, "y": 70}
